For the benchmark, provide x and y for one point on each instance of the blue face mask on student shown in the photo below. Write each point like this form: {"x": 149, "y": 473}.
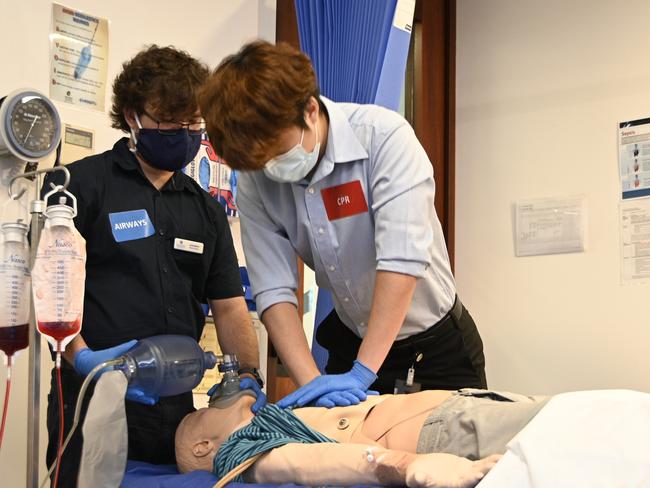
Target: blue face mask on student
{"x": 170, "y": 151}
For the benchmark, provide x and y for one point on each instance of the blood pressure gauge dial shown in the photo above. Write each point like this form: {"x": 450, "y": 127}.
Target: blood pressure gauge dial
{"x": 30, "y": 127}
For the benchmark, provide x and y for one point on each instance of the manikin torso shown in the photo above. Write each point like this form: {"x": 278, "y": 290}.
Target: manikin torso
{"x": 392, "y": 421}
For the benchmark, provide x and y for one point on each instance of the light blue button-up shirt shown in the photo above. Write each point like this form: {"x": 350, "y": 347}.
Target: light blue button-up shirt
{"x": 399, "y": 232}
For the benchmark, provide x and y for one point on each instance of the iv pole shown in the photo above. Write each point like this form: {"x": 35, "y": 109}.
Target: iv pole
{"x": 36, "y": 208}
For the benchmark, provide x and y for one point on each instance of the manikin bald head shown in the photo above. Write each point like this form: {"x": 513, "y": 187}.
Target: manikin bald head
{"x": 201, "y": 433}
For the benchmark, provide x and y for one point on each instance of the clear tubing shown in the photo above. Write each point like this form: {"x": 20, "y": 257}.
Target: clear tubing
{"x": 77, "y": 410}
{"x": 5, "y": 408}
{"x": 59, "y": 450}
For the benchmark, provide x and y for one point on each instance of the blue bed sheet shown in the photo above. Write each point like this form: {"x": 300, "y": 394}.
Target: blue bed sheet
{"x": 139, "y": 474}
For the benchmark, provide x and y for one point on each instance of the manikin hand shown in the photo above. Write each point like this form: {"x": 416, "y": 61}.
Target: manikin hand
{"x": 440, "y": 470}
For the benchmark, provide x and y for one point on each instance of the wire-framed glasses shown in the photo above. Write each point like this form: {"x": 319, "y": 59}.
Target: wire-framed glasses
{"x": 170, "y": 127}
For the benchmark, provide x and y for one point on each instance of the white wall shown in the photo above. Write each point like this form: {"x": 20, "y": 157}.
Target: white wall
{"x": 208, "y": 29}
{"x": 541, "y": 87}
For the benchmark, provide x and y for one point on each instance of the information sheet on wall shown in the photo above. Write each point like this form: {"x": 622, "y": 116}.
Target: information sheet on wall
{"x": 78, "y": 58}
{"x": 77, "y": 143}
{"x": 635, "y": 241}
{"x": 634, "y": 158}
{"x": 550, "y": 226}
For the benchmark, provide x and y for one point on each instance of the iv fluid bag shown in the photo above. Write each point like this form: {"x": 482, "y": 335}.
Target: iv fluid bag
{"x": 58, "y": 278}
{"x": 167, "y": 365}
{"x": 14, "y": 288}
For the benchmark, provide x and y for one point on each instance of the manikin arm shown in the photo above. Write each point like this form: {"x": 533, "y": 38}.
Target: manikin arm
{"x": 350, "y": 464}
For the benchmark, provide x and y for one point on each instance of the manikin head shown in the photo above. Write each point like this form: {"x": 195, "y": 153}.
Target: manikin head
{"x": 201, "y": 433}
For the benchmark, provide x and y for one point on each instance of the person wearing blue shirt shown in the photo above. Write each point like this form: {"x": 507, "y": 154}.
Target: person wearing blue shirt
{"x": 348, "y": 189}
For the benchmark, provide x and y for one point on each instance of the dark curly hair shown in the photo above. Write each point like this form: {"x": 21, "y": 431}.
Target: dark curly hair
{"x": 163, "y": 77}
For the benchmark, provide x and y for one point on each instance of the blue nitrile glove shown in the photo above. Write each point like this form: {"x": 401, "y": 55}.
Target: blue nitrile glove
{"x": 86, "y": 359}
{"x": 355, "y": 381}
{"x": 247, "y": 384}
{"x": 343, "y": 398}
{"x": 251, "y": 384}
{"x": 135, "y": 394}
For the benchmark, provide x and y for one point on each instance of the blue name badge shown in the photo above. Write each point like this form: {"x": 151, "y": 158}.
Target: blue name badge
{"x": 131, "y": 225}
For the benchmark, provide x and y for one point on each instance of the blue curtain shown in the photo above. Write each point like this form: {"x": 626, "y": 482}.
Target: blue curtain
{"x": 346, "y": 40}
{"x": 359, "y": 56}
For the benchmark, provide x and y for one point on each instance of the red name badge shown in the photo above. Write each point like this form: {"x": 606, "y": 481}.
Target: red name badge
{"x": 344, "y": 200}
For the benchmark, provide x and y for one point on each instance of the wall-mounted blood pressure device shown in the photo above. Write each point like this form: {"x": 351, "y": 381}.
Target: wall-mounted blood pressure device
{"x": 30, "y": 132}
{"x": 30, "y": 126}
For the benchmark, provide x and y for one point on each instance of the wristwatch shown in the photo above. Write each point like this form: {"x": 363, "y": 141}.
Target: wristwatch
{"x": 254, "y": 372}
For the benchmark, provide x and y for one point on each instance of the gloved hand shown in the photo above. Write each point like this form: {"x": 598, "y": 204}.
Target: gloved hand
{"x": 354, "y": 384}
{"x": 343, "y": 398}
{"x": 251, "y": 384}
{"x": 86, "y": 359}
{"x": 135, "y": 394}
{"x": 247, "y": 384}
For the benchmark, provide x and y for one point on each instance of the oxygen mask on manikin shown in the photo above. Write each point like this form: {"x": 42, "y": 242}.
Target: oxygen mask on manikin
{"x": 227, "y": 391}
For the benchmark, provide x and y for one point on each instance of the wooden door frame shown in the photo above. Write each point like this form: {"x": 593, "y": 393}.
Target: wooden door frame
{"x": 435, "y": 110}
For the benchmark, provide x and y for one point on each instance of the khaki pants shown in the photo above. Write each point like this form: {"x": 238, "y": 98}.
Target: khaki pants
{"x": 476, "y": 423}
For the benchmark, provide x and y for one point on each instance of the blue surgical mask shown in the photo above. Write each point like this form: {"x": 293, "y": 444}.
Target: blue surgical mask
{"x": 295, "y": 164}
{"x": 169, "y": 151}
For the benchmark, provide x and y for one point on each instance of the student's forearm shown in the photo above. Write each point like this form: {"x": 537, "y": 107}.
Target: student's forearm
{"x": 288, "y": 337}
{"x": 331, "y": 464}
{"x": 391, "y": 301}
{"x": 235, "y": 331}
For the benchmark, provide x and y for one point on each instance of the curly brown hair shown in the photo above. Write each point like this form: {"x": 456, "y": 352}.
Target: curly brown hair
{"x": 165, "y": 78}
{"x": 252, "y": 96}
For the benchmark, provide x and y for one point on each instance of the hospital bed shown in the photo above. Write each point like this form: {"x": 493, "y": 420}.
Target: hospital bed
{"x": 140, "y": 474}
{"x": 584, "y": 439}
{"x": 594, "y": 439}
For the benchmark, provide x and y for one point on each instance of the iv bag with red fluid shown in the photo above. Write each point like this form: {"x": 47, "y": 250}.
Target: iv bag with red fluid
{"x": 59, "y": 275}
{"x": 14, "y": 287}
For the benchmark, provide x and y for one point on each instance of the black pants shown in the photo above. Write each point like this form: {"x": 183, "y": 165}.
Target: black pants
{"x": 452, "y": 353}
{"x": 151, "y": 428}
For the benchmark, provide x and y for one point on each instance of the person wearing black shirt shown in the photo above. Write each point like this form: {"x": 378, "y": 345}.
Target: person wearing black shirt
{"x": 158, "y": 247}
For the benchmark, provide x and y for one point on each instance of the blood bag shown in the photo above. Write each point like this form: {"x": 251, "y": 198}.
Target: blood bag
{"x": 59, "y": 276}
{"x": 14, "y": 287}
